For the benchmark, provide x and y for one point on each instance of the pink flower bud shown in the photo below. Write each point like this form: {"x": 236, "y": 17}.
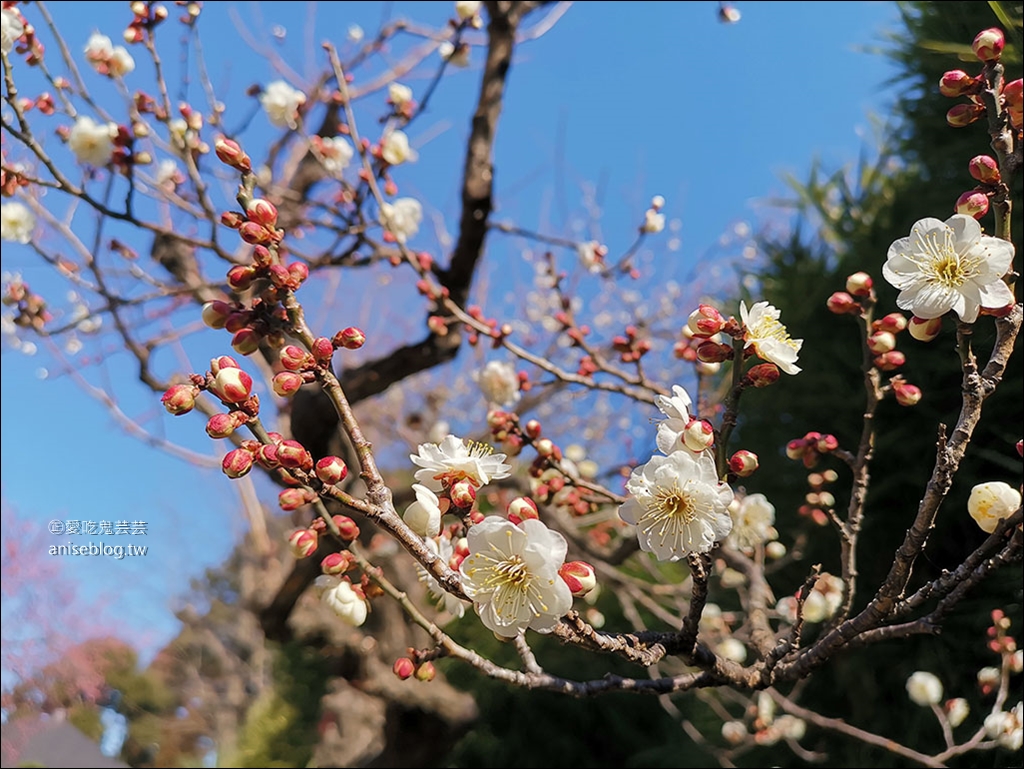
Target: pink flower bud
{"x": 545, "y": 447}
{"x": 841, "y": 303}
{"x": 337, "y": 563}
{"x": 262, "y": 212}
{"x": 532, "y": 429}
{"x": 972, "y": 203}
{"x": 322, "y": 349}
{"x": 698, "y": 435}
{"x": 347, "y": 528}
{"x": 287, "y": 383}
{"x": 403, "y": 668}
{"x": 215, "y": 314}
{"x": 894, "y": 322}
{"x": 890, "y": 361}
{"x": 350, "y": 338}
{"x": 985, "y": 169}
{"x": 224, "y": 361}
{"x": 241, "y": 276}
{"x": 826, "y": 443}
{"x": 180, "y": 398}
{"x": 303, "y": 542}
{"x": 796, "y": 448}
{"x": 425, "y": 671}
{"x": 713, "y": 352}
{"x": 1020, "y": 448}
{"x": 298, "y": 272}
{"x": 579, "y": 576}
{"x": 292, "y": 454}
{"x": 705, "y": 321}
{"x": 743, "y": 463}
{"x": 232, "y": 219}
{"x": 246, "y": 341}
{"x": 961, "y": 115}
{"x": 221, "y": 425}
{"x": 881, "y": 342}
{"x": 522, "y": 508}
{"x": 331, "y": 470}
{"x": 266, "y": 456}
{"x": 988, "y": 44}
{"x": 906, "y": 394}
{"x": 763, "y": 374}
{"x": 924, "y": 329}
{"x": 253, "y": 233}
{"x": 463, "y": 494}
{"x": 232, "y": 385}
{"x": 293, "y": 499}
{"x": 237, "y": 321}
{"x": 956, "y": 82}
{"x": 230, "y": 153}
{"x": 1013, "y": 94}
{"x": 295, "y": 358}
{"x": 859, "y": 284}
{"x": 236, "y": 463}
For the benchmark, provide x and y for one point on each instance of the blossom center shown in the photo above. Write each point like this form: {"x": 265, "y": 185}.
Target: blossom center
{"x": 512, "y": 572}
{"x": 770, "y": 329}
{"x": 943, "y": 265}
{"x": 677, "y": 505}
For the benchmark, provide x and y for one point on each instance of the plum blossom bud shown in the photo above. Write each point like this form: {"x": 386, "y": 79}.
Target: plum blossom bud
{"x": 223, "y": 361}
{"x": 743, "y": 463}
{"x": 986, "y": 170}
{"x": 924, "y": 329}
{"x": 906, "y": 394}
{"x": 533, "y": 429}
{"x": 775, "y": 550}
{"x": 395, "y": 149}
{"x": 262, "y": 212}
{"x": 957, "y": 711}
{"x": 230, "y": 153}
{"x": 734, "y": 732}
{"x": 348, "y": 602}
{"x": 890, "y": 361}
{"x": 732, "y": 649}
{"x": 467, "y": 9}
{"x": 955, "y": 83}
{"x": 236, "y": 463}
{"x": 232, "y": 219}
{"x": 403, "y": 668}
{"x": 331, "y": 470}
{"x": 841, "y": 303}
{"x": 294, "y": 498}
{"x": 882, "y": 342}
{"x": 990, "y": 502}
{"x": 215, "y": 314}
{"x": 303, "y": 542}
{"x": 425, "y": 671}
{"x": 706, "y": 320}
{"x": 653, "y": 222}
{"x": 894, "y": 322}
{"x": 180, "y": 399}
{"x": 463, "y": 494}
{"x": 246, "y": 341}
{"x": 294, "y": 358}
{"x": 232, "y": 385}
{"x": 221, "y": 425}
{"x": 988, "y": 44}
{"x": 579, "y": 576}
{"x": 350, "y": 338}
{"x": 859, "y": 284}
{"x": 347, "y": 528}
{"x": 763, "y": 374}
{"x": 337, "y": 563}
{"x": 972, "y": 203}
{"x": 287, "y": 383}
{"x": 698, "y": 435}
{"x": 924, "y": 688}
{"x": 322, "y": 349}
{"x": 253, "y": 233}
{"x": 961, "y": 115}
{"x": 522, "y": 508}
{"x": 292, "y": 454}
{"x": 713, "y": 352}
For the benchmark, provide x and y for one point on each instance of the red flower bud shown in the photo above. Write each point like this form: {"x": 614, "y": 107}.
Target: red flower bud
{"x": 956, "y": 82}
{"x": 230, "y": 153}
{"x": 706, "y": 320}
{"x": 253, "y": 233}
{"x": 262, "y": 212}
{"x": 241, "y": 276}
{"x": 221, "y": 425}
{"x": 224, "y": 361}
{"x": 347, "y": 528}
{"x": 246, "y": 341}
{"x": 579, "y": 576}
{"x": 985, "y": 169}
{"x": 713, "y": 352}
{"x": 906, "y": 394}
{"x": 215, "y": 314}
{"x": 232, "y": 385}
{"x": 236, "y": 463}
{"x": 293, "y": 499}
{"x": 298, "y": 272}
{"x": 287, "y": 383}
{"x": 303, "y": 542}
{"x": 292, "y": 454}
{"x": 331, "y": 470}
{"x": 743, "y": 463}
{"x": 763, "y": 374}
{"x": 894, "y": 322}
{"x": 294, "y": 358}
{"x": 859, "y": 284}
{"x": 350, "y": 338}
{"x": 532, "y": 429}
{"x": 322, "y": 349}
{"x": 962, "y": 115}
{"x": 463, "y": 494}
{"x": 890, "y": 361}
{"x": 841, "y": 303}
{"x": 232, "y": 219}
{"x": 404, "y": 668}
{"x": 337, "y": 563}
{"x": 180, "y": 399}
{"x": 988, "y": 44}
{"x": 521, "y": 508}
{"x": 924, "y": 330}
{"x": 972, "y": 203}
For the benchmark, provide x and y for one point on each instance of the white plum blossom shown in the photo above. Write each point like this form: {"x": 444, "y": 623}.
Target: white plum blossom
{"x": 107, "y": 59}
{"x": 511, "y": 575}
{"x": 11, "y": 28}
{"x": 654, "y": 222}
{"x": 957, "y": 710}
{"x": 499, "y": 383}
{"x": 441, "y": 547}
{"x": 355, "y": 33}
{"x": 120, "y": 62}
{"x": 452, "y": 460}
{"x": 458, "y": 57}
{"x": 752, "y": 519}
{"x": 591, "y": 255}
{"x": 949, "y": 265}
{"x": 676, "y": 408}
{"x": 167, "y": 173}
{"x": 821, "y": 603}
{"x": 424, "y": 515}
{"x": 924, "y": 688}
{"x": 402, "y": 218}
{"x": 395, "y": 149}
{"x": 769, "y": 338}
{"x": 335, "y": 153}
{"x": 16, "y": 222}
{"x": 399, "y": 94}
{"x": 98, "y": 49}
{"x": 92, "y": 142}
{"x": 281, "y": 102}
{"x": 732, "y": 649}
{"x": 467, "y": 9}
{"x": 343, "y": 599}
{"x": 990, "y": 502}
{"x": 1006, "y": 727}
{"x": 678, "y": 505}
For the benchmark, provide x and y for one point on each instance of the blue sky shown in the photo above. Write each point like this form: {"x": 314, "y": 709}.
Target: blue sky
{"x": 648, "y": 98}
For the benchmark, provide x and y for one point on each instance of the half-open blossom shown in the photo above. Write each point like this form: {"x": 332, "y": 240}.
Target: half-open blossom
{"x": 335, "y": 153}
{"x": 395, "y": 149}
{"x": 107, "y": 59}
{"x": 678, "y": 505}
{"x": 346, "y": 601}
{"x": 499, "y": 383}
{"x": 752, "y": 519}
{"x": 399, "y": 95}
{"x": 949, "y": 265}
{"x": 92, "y": 142}
{"x": 1006, "y": 727}
{"x": 281, "y": 102}
{"x": 924, "y": 688}
{"x": 402, "y": 218}
{"x": 990, "y": 502}
{"x": 441, "y": 547}
{"x": 16, "y": 222}
{"x": 424, "y": 515}
{"x": 11, "y": 28}
{"x": 452, "y": 460}
{"x": 653, "y": 222}
{"x": 511, "y": 575}
{"x": 769, "y": 338}
{"x": 676, "y": 408}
